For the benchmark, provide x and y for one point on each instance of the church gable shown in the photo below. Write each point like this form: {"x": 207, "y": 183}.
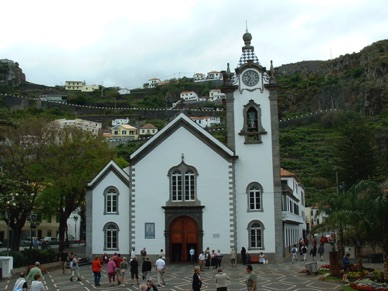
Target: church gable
{"x": 182, "y": 121}
{"x": 110, "y": 168}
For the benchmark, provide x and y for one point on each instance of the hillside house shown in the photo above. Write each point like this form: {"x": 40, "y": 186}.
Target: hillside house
{"x": 216, "y": 94}
{"x": 124, "y": 132}
{"x": 91, "y": 126}
{"x": 199, "y": 77}
{"x": 148, "y": 129}
{"x": 214, "y": 75}
{"x": 189, "y": 96}
{"x": 118, "y": 121}
{"x": 206, "y": 121}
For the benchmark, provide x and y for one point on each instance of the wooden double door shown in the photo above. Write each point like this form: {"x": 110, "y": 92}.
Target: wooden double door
{"x": 183, "y": 237}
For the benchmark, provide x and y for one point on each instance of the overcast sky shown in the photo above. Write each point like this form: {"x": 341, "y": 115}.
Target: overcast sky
{"x": 125, "y": 43}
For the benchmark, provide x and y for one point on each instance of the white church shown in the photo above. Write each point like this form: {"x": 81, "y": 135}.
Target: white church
{"x": 184, "y": 188}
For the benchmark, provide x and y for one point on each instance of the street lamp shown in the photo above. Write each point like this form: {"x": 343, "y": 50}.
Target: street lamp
{"x": 32, "y": 218}
{"x": 75, "y": 226}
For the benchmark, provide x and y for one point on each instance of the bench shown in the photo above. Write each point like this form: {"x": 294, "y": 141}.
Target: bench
{"x": 253, "y": 258}
{"x": 376, "y": 258}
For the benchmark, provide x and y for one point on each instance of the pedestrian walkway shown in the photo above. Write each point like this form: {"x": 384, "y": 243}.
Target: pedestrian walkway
{"x": 284, "y": 276}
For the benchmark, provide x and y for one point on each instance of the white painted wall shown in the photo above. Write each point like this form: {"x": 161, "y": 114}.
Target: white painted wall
{"x": 99, "y": 219}
{"x": 212, "y": 190}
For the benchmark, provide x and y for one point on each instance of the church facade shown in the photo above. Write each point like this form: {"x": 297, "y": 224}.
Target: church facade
{"x": 185, "y": 189}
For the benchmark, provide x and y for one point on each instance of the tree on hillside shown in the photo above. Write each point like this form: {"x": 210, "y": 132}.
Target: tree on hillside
{"x": 72, "y": 159}
{"x": 374, "y": 200}
{"x": 22, "y": 151}
{"x": 17, "y": 199}
{"x": 355, "y": 152}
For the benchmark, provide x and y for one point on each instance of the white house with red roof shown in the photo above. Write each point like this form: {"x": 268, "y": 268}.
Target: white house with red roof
{"x": 189, "y": 96}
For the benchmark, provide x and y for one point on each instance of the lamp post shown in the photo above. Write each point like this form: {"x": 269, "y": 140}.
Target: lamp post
{"x": 8, "y": 217}
{"x": 32, "y": 218}
{"x": 75, "y": 226}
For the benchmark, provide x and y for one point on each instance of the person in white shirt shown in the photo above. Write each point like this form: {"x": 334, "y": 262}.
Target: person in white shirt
{"x": 37, "y": 284}
{"x": 21, "y": 283}
{"x": 161, "y": 269}
{"x": 221, "y": 278}
{"x": 202, "y": 260}
{"x": 192, "y": 253}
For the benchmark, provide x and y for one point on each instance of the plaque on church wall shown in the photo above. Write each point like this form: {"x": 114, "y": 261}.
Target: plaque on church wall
{"x": 149, "y": 230}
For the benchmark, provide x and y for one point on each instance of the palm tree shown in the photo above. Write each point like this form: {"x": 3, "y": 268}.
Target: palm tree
{"x": 374, "y": 200}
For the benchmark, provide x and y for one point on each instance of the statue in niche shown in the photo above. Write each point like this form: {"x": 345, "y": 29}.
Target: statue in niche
{"x": 252, "y": 119}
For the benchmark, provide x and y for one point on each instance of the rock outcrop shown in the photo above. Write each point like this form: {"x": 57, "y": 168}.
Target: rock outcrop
{"x": 10, "y": 73}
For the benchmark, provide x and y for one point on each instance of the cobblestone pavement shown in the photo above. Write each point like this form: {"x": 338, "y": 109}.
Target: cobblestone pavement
{"x": 285, "y": 276}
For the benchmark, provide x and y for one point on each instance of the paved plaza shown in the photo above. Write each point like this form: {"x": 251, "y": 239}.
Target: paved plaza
{"x": 282, "y": 276}
{"x": 285, "y": 276}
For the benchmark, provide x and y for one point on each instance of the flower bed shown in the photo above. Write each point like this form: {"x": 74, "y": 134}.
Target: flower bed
{"x": 369, "y": 285}
{"x": 324, "y": 268}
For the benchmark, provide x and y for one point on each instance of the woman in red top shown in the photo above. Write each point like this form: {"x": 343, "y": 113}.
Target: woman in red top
{"x": 96, "y": 269}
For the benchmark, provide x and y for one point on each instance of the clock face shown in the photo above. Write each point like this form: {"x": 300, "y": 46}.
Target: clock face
{"x": 250, "y": 78}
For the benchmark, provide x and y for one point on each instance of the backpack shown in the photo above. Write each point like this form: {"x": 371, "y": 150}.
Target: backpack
{"x": 294, "y": 250}
{"x": 19, "y": 287}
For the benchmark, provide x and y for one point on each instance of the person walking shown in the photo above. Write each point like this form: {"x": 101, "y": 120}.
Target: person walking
{"x": 123, "y": 270}
{"x": 34, "y": 271}
{"x": 313, "y": 252}
{"x": 207, "y": 258}
{"x": 134, "y": 270}
{"x": 161, "y": 269}
{"x": 192, "y": 253}
{"x": 244, "y": 255}
{"x": 233, "y": 257}
{"x": 74, "y": 265}
{"x": 96, "y": 269}
{"x": 321, "y": 251}
{"x": 197, "y": 280}
{"x": 294, "y": 252}
{"x": 21, "y": 283}
{"x": 251, "y": 280}
{"x": 304, "y": 252}
{"x": 146, "y": 268}
{"x": 64, "y": 258}
{"x": 345, "y": 266}
{"x": 37, "y": 284}
{"x": 143, "y": 254}
{"x": 221, "y": 278}
{"x": 117, "y": 259}
{"x": 111, "y": 270}
{"x": 202, "y": 261}
{"x": 219, "y": 257}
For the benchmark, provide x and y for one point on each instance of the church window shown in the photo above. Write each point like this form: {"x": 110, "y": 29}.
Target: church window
{"x": 183, "y": 179}
{"x": 176, "y": 186}
{"x": 255, "y": 197}
{"x": 111, "y": 234}
{"x": 255, "y": 235}
{"x": 111, "y": 201}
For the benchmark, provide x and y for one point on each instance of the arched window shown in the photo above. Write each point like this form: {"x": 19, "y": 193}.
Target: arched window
{"x": 255, "y": 199}
{"x": 111, "y": 200}
{"x": 111, "y": 235}
{"x": 255, "y": 230}
{"x": 176, "y": 186}
{"x": 183, "y": 183}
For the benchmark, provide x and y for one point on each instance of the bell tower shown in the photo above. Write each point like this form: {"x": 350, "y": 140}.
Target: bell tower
{"x": 253, "y": 133}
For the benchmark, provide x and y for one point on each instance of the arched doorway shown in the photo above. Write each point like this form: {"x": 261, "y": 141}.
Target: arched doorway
{"x": 183, "y": 236}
